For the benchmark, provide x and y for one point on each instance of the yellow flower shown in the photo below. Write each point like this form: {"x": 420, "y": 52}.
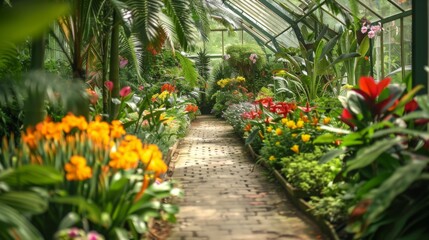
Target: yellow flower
{"x": 77, "y": 170}
{"x": 295, "y": 148}
{"x": 305, "y": 137}
{"x": 278, "y": 144}
{"x": 163, "y": 95}
{"x": 223, "y": 82}
{"x": 150, "y": 152}
{"x": 300, "y": 124}
{"x": 272, "y": 158}
{"x": 291, "y": 124}
{"x": 279, "y": 131}
{"x": 284, "y": 121}
{"x": 269, "y": 129}
{"x": 326, "y": 120}
{"x": 71, "y": 121}
{"x": 240, "y": 79}
{"x": 294, "y": 134}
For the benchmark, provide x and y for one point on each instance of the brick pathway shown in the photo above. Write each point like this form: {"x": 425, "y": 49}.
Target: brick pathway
{"x": 224, "y": 199}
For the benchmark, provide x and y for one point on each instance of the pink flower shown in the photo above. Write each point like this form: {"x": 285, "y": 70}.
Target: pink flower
{"x": 125, "y": 91}
{"x": 123, "y": 62}
{"x": 376, "y": 28}
{"x": 364, "y": 29}
{"x": 371, "y": 34}
{"x": 253, "y": 57}
{"x": 109, "y": 85}
{"x": 141, "y": 87}
{"x": 93, "y": 235}
{"x": 73, "y": 232}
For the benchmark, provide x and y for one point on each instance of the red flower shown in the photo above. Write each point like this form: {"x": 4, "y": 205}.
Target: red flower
{"x": 411, "y": 106}
{"x": 109, "y": 85}
{"x": 252, "y": 114}
{"x": 125, "y": 91}
{"x": 307, "y": 108}
{"x": 266, "y": 102}
{"x": 191, "y": 108}
{"x": 168, "y": 87}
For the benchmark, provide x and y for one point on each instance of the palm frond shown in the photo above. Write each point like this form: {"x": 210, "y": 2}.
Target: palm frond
{"x": 200, "y": 16}
{"x": 145, "y": 15}
{"x": 180, "y": 13}
{"x": 188, "y": 68}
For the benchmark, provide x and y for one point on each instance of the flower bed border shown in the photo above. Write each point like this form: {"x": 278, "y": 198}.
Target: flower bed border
{"x": 295, "y": 196}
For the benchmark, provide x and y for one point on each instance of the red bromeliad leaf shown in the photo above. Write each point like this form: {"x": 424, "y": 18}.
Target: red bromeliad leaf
{"x": 347, "y": 117}
{"x": 372, "y": 89}
{"x": 411, "y": 106}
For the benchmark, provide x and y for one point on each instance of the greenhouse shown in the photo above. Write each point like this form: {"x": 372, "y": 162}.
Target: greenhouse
{"x": 214, "y": 119}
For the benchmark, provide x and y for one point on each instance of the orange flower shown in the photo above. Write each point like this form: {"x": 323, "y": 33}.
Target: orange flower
{"x": 116, "y": 129}
{"x": 279, "y": 131}
{"x": 77, "y": 170}
{"x": 248, "y": 127}
{"x": 71, "y": 121}
{"x": 326, "y": 120}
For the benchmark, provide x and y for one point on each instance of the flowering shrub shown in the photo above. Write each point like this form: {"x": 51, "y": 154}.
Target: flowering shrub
{"x": 232, "y": 91}
{"x": 106, "y": 172}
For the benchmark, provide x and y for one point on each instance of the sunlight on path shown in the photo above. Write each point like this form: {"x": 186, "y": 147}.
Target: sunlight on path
{"x": 224, "y": 199}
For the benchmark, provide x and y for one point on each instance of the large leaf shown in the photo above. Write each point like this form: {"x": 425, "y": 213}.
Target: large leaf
{"x": 367, "y": 155}
{"x": 331, "y": 155}
{"x": 24, "y": 202}
{"x": 29, "y": 175}
{"x": 398, "y": 182}
{"x": 21, "y": 226}
{"x": 364, "y": 46}
{"x": 29, "y": 19}
{"x": 91, "y": 209}
{"x": 188, "y": 68}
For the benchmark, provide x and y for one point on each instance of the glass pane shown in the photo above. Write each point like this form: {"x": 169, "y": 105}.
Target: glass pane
{"x": 292, "y": 6}
{"x": 214, "y": 45}
{"x": 392, "y": 48}
{"x": 383, "y": 8}
{"x": 233, "y": 38}
{"x": 288, "y": 39}
{"x": 407, "y": 41}
{"x": 363, "y": 12}
{"x": 404, "y": 4}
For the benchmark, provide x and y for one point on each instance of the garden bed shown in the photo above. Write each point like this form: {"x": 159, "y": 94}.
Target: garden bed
{"x": 296, "y": 197}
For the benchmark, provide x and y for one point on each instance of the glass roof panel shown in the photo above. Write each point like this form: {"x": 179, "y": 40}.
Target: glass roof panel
{"x": 404, "y": 4}
{"x": 262, "y": 16}
{"x": 363, "y": 12}
{"x": 252, "y": 31}
{"x": 288, "y": 39}
{"x": 383, "y": 8}
{"x": 291, "y": 6}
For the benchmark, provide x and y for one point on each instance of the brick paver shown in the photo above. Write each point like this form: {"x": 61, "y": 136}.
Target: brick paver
{"x": 225, "y": 199}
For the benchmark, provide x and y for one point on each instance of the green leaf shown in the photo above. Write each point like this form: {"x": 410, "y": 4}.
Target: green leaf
{"x": 69, "y": 220}
{"x": 396, "y": 184}
{"x": 25, "y": 202}
{"x": 138, "y": 223}
{"x": 23, "y": 229}
{"x": 325, "y": 138}
{"x": 85, "y": 206}
{"x": 252, "y": 136}
{"x": 170, "y": 208}
{"x": 364, "y": 46}
{"x": 367, "y": 155}
{"x": 29, "y": 175}
{"x": 416, "y": 115}
{"x": 345, "y": 57}
{"x": 29, "y": 19}
{"x": 331, "y": 155}
{"x": 398, "y": 130}
{"x": 188, "y": 68}
{"x": 121, "y": 234}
